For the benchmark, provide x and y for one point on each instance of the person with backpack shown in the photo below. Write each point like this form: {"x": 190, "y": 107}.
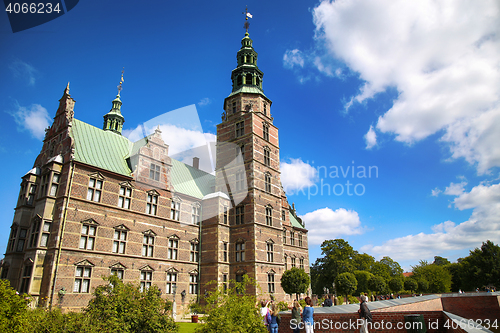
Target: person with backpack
{"x": 275, "y": 319}
{"x": 364, "y": 314}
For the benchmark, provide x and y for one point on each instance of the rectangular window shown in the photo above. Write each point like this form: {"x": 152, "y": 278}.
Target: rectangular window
{"x": 285, "y": 259}
{"x": 301, "y": 263}
{"x": 240, "y": 251}
{"x": 224, "y": 220}
{"x": 35, "y": 230}
{"x": 26, "y": 279}
{"x": 31, "y": 194}
{"x": 224, "y": 252}
{"x": 87, "y": 237}
{"x": 152, "y": 204}
{"x": 195, "y": 215}
{"x": 270, "y": 255}
{"x": 82, "y": 279}
{"x": 265, "y": 130}
{"x": 292, "y": 238}
{"x": 239, "y": 214}
{"x": 293, "y": 261}
{"x": 240, "y": 153}
{"x": 124, "y": 197}
{"x": 154, "y": 172}
{"x": 224, "y": 282}
{"x": 270, "y": 283}
{"x": 283, "y": 215}
{"x": 173, "y": 245}
{"x": 300, "y": 240}
{"x": 175, "y": 210}
{"x": 194, "y": 253}
{"x": 12, "y": 238}
{"x": 171, "y": 282}
{"x": 21, "y": 240}
{"x": 234, "y": 107}
{"x": 44, "y": 241}
{"x": 265, "y": 109}
{"x": 94, "y": 190}
{"x": 120, "y": 240}
{"x": 148, "y": 242}
{"x": 284, "y": 236}
{"x": 240, "y": 181}
{"x": 55, "y": 184}
{"x": 267, "y": 157}
{"x": 118, "y": 272}
{"x": 193, "y": 284}
{"x": 146, "y": 278}
{"x": 268, "y": 183}
{"x": 240, "y": 128}
{"x": 43, "y": 188}
{"x": 269, "y": 216}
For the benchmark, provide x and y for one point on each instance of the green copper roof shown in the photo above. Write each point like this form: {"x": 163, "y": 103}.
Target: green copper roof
{"x": 248, "y": 89}
{"x": 191, "y": 181}
{"x": 102, "y": 149}
{"x": 294, "y": 221}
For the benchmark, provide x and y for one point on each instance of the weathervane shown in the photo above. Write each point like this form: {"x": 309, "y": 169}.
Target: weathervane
{"x": 247, "y": 15}
{"x": 121, "y": 81}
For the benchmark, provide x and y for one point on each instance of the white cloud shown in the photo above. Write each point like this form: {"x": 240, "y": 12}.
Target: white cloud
{"x": 293, "y": 58}
{"x": 326, "y": 223}
{"x": 23, "y": 70}
{"x": 441, "y": 56}
{"x": 35, "y": 119}
{"x": 204, "y": 101}
{"x": 455, "y": 189}
{"x": 371, "y": 138}
{"x": 483, "y": 224}
{"x": 297, "y": 175}
{"x": 435, "y": 192}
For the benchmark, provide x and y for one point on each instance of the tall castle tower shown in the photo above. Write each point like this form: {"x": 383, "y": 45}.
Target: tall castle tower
{"x": 255, "y": 219}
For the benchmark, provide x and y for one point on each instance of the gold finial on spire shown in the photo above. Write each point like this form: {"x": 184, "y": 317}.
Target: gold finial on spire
{"x": 247, "y": 15}
{"x": 121, "y": 81}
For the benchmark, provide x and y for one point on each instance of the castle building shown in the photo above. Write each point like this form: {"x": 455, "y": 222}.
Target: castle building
{"x": 96, "y": 203}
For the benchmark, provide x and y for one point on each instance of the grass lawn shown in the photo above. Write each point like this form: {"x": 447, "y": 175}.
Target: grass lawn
{"x": 187, "y": 327}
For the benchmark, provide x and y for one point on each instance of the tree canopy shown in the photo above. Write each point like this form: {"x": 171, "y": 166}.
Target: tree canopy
{"x": 295, "y": 281}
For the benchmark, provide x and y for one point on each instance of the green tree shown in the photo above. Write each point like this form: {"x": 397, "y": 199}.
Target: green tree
{"x": 13, "y": 307}
{"x": 363, "y": 262}
{"x": 410, "y": 284}
{"x": 482, "y": 267}
{"x": 438, "y": 277}
{"x": 337, "y": 257}
{"x": 231, "y": 310}
{"x": 377, "y": 284}
{"x": 119, "y": 307}
{"x": 395, "y": 284}
{"x": 362, "y": 277}
{"x": 295, "y": 281}
{"x": 346, "y": 283}
{"x": 387, "y": 268}
{"x": 422, "y": 285}
{"x": 440, "y": 261}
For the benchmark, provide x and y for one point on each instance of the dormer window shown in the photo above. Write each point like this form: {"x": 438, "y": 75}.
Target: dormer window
{"x": 154, "y": 172}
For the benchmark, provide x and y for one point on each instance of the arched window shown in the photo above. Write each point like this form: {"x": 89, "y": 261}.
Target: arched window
{"x": 248, "y": 79}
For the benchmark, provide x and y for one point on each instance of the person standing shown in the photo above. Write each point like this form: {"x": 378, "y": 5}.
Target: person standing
{"x": 264, "y": 311}
{"x": 296, "y": 310}
{"x": 273, "y": 324}
{"x": 307, "y": 315}
{"x": 364, "y": 314}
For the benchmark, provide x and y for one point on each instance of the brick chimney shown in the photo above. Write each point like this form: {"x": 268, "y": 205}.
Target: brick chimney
{"x": 196, "y": 162}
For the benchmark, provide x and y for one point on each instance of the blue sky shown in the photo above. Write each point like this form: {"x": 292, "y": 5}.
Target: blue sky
{"x": 408, "y": 88}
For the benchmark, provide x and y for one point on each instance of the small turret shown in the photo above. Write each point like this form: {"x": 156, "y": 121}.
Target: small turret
{"x": 113, "y": 120}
